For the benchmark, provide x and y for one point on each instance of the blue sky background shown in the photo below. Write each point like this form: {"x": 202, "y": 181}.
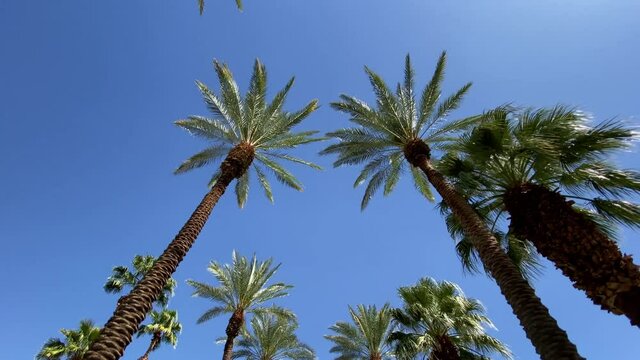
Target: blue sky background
{"x": 90, "y": 90}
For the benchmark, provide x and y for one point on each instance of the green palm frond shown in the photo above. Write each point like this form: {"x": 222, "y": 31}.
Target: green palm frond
{"x": 123, "y": 276}
{"x": 272, "y": 337}
{"x": 76, "y": 343}
{"x": 164, "y": 323}
{"x": 383, "y": 131}
{"x": 251, "y": 120}
{"x": 242, "y": 285}
{"x": 365, "y": 337}
{"x": 554, "y": 147}
{"x": 432, "y": 310}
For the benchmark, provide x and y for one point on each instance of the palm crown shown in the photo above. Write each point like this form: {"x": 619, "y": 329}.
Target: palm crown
{"x": 75, "y": 344}
{"x": 272, "y": 338}
{"x": 265, "y": 128}
{"x": 555, "y": 148}
{"x": 394, "y": 128}
{"x": 366, "y": 337}
{"x": 166, "y": 324}
{"x": 122, "y": 277}
{"x": 242, "y": 287}
{"x": 437, "y": 315}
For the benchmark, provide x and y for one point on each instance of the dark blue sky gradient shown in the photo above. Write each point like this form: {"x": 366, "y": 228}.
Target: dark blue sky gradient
{"x": 90, "y": 90}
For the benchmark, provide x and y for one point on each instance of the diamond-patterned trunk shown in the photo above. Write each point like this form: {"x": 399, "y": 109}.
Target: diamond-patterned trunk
{"x": 233, "y": 330}
{"x": 583, "y": 253}
{"x": 549, "y": 340}
{"x": 131, "y": 309}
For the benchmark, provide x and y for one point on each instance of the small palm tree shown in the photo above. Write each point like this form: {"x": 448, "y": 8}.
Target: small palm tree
{"x": 272, "y": 338}
{"x": 164, "y": 327}
{"x": 244, "y": 129}
{"x": 201, "y": 5}
{"x": 402, "y": 128}
{"x": 534, "y": 165}
{"x": 122, "y": 277}
{"x": 366, "y": 337}
{"x": 76, "y": 343}
{"x": 242, "y": 290}
{"x": 437, "y": 320}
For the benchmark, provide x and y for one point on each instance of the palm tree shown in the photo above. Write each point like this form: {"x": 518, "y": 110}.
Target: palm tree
{"x": 272, "y": 338}
{"x": 437, "y": 320}
{"x": 242, "y": 290}
{"x": 122, "y": 277}
{"x": 534, "y": 164}
{"x": 366, "y": 337}
{"x": 401, "y": 127}
{"x": 201, "y": 5}
{"x": 164, "y": 327}
{"x": 248, "y": 129}
{"x": 76, "y": 343}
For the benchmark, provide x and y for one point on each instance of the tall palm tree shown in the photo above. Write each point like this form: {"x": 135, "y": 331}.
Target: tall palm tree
{"x": 164, "y": 327}
{"x": 366, "y": 337}
{"x": 122, "y": 277}
{"x": 201, "y": 5}
{"x": 534, "y": 165}
{"x": 242, "y": 289}
{"x": 76, "y": 343}
{"x": 245, "y": 129}
{"x": 272, "y": 338}
{"x": 402, "y": 127}
{"x": 437, "y": 320}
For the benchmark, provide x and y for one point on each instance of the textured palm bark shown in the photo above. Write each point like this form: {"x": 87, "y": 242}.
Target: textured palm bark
{"x": 233, "y": 330}
{"x": 155, "y": 341}
{"x": 549, "y": 340}
{"x": 584, "y": 254}
{"x": 375, "y": 356}
{"x": 444, "y": 350}
{"x": 133, "y": 308}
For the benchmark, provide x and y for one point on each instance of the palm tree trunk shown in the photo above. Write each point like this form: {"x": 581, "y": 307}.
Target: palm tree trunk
{"x": 131, "y": 311}
{"x": 155, "y": 341}
{"x": 549, "y": 340}
{"x": 444, "y": 350}
{"x": 584, "y": 254}
{"x": 233, "y": 329}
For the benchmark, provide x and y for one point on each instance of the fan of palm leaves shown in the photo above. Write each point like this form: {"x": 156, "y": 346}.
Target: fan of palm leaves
{"x": 365, "y": 338}
{"x": 242, "y": 285}
{"x": 272, "y": 337}
{"x": 556, "y": 148}
{"x": 384, "y": 132}
{"x": 250, "y": 120}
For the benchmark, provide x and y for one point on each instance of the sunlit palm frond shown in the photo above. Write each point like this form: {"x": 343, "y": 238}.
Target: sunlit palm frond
{"x": 432, "y": 310}
{"x": 383, "y": 131}
{"x": 242, "y": 285}
{"x": 272, "y": 337}
{"x": 365, "y": 336}
{"x": 251, "y": 120}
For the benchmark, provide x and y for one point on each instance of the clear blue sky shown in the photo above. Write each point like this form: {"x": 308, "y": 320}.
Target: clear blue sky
{"x": 89, "y": 92}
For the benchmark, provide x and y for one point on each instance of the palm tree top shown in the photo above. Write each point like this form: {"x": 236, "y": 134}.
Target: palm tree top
{"x": 556, "y": 148}
{"x": 272, "y": 337}
{"x": 365, "y": 337}
{"x": 264, "y": 128}
{"x": 433, "y": 309}
{"x": 399, "y": 126}
{"x": 242, "y": 286}
{"x": 75, "y": 344}
{"x": 164, "y": 322}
